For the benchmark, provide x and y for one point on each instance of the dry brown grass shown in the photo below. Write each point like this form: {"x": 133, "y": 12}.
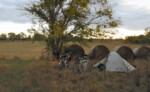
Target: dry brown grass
{"x": 3, "y": 56}
{"x": 40, "y": 76}
{"x": 16, "y": 58}
{"x": 4, "y": 67}
{"x": 25, "y": 50}
{"x": 44, "y": 77}
{"x": 28, "y": 50}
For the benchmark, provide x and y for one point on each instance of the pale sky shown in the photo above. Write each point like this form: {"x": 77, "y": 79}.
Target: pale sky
{"x": 134, "y": 14}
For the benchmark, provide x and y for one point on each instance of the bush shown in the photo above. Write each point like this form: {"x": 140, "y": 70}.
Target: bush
{"x": 141, "y": 39}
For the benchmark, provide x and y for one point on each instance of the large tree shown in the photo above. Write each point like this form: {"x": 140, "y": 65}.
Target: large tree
{"x": 12, "y": 36}
{"x": 3, "y": 36}
{"x": 23, "y": 35}
{"x": 147, "y": 31}
{"x": 38, "y": 37}
{"x": 61, "y": 20}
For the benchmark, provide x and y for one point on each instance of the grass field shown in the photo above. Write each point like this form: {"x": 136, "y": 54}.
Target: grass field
{"x": 28, "y": 50}
{"x": 22, "y": 71}
{"x": 24, "y": 50}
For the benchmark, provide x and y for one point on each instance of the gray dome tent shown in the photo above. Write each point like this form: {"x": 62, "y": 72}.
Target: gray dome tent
{"x": 115, "y": 63}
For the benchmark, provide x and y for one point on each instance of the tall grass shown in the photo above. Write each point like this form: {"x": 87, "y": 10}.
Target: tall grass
{"x": 42, "y": 76}
{"x": 21, "y": 70}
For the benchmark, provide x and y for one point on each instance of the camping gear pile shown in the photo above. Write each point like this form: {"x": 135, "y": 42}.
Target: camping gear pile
{"x": 64, "y": 61}
{"x": 116, "y": 61}
{"x": 84, "y": 63}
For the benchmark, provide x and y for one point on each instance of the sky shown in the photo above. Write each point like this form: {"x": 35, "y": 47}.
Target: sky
{"x": 134, "y": 15}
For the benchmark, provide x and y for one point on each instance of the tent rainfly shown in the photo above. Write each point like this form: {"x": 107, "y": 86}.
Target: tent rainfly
{"x": 115, "y": 63}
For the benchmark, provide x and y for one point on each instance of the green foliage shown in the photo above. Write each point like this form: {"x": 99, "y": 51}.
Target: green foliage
{"x": 21, "y": 36}
{"x": 18, "y": 37}
{"x": 29, "y": 37}
{"x": 38, "y": 37}
{"x": 3, "y": 37}
{"x": 141, "y": 39}
{"x": 12, "y": 36}
{"x": 56, "y": 16}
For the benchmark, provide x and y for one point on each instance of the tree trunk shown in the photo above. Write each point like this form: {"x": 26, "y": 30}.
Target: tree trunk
{"x": 54, "y": 48}
{"x": 57, "y": 49}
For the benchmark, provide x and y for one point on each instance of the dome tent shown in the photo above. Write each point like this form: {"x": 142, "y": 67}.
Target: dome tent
{"x": 115, "y": 63}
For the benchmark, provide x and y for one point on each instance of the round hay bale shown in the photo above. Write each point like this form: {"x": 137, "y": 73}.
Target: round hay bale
{"x": 142, "y": 52}
{"x": 75, "y": 50}
{"x": 99, "y": 52}
{"x": 125, "y": 52}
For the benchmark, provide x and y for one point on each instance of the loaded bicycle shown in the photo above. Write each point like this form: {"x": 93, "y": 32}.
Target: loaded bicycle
{"x": 84, "y": 64}
{"x": 64, "y": 61}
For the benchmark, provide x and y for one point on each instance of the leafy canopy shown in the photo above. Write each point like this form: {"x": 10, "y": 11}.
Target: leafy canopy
{"x": 81, "y": 15}
{"x": 61, "y": 20}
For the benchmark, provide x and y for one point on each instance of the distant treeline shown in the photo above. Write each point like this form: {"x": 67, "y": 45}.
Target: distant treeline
{"x": 21, "y": 36}
{"x": 141, "y": 39}
{"x": 40, "y": 37}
